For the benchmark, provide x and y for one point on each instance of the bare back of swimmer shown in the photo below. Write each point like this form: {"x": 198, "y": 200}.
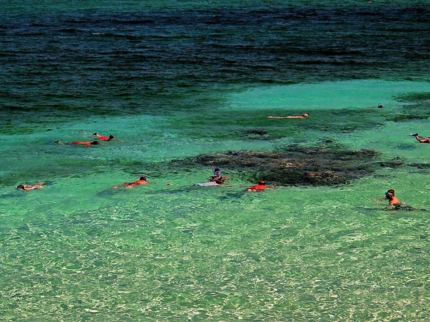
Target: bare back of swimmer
{"x": 303, "y": 116}
{"x": 127, "y": 185}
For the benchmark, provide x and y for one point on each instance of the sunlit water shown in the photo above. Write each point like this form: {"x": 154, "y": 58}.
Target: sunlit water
{"x": 82, "y": 250}
{"x": 79, "y": 250}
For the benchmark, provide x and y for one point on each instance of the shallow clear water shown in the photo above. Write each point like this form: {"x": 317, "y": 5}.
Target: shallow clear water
{"x": 79, "y": 250}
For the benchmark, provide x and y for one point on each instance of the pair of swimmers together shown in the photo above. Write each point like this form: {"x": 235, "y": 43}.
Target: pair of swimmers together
{"x": 89, "y": 143}
{"x": 40, "y": 185}
{"x": 303, "y": 116}
{"x": 217, "y": 179}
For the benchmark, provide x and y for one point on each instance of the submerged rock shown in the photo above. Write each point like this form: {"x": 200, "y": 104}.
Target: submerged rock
{"x": 293, "y": 165}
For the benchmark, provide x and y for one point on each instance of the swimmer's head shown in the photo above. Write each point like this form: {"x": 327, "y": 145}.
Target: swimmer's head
{"x": 305, "y": 115}
{"x": 261, "y": 182}
{"x": 20, "y": 187}
{"x": 389, "y": 193}
{"x": 95, "y": 143}
{"x": 143, "y": 177}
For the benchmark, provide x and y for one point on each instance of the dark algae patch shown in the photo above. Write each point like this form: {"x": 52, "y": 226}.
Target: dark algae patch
{"x": 417, "y": 106}
{"x": 294, "y": 165}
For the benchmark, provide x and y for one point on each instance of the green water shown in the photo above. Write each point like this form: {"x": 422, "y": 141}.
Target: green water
{"x": 79, "y": 250}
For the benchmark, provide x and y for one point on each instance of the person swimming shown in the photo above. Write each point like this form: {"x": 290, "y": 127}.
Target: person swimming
{"x": 260, "y": 186}
{"x": 27, "y": 187}
{"x": 85, "y": 143}
{"x": 217, "y": 175}
{"x": 394, "y": 202}
{"x": 303, "y": 116}
{"x": 104, "y": 138}
{"x": 420, "y": 138}
{"x": 142, "y": 180}
{"x": 212, "y": 183}
{"x": 216, "y": 172}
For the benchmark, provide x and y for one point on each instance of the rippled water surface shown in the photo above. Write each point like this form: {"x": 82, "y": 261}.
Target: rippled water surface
{"x": 173, "y": 81}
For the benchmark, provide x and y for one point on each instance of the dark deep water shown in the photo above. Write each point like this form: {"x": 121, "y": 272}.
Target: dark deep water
{"x": 88, "y": 61}
{"x": 176, "y": 79}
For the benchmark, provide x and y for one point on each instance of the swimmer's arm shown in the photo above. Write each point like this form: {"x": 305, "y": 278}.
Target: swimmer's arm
{"x": 421, "y": 140}
{"x": 378, "y": 199}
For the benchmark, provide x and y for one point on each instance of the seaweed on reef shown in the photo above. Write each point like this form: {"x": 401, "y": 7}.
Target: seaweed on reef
{"x": 296, "y": 165}
{"x": 417, "y": 106}
{"x": 257, "y": 134}
{"x": 407, "y": 117}
{"x": 415, "y": 97}
{"x": 393, "y": 163}
{"x": 420, "y": 165}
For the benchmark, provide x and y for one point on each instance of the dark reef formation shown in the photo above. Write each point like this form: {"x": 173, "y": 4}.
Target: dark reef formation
{"x": 294, "y": 165}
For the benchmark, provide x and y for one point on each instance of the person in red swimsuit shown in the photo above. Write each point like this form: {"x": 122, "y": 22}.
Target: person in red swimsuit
{"x": 104, "y": 138}
{"x": 86, "y": 143}
{"x": 260, "y": 186}
{"x": 142, "y": 180}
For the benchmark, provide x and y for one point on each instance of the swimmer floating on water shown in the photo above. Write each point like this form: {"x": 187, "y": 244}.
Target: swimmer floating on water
{"x": 393, "y": 201}
{"x": 86, "y": 143}
{"x": 217, "y": 175}
{"x": 421, "y": 139}
{"x": 372, "y": 107}
{"x": 260, "y": 186}
{"x": 303, "y": 116}
{"x": 104, "y": 138}
{"x": 27, "y": 187}
{"x": 127, "y": 185}
{"x": 213, "y": 183}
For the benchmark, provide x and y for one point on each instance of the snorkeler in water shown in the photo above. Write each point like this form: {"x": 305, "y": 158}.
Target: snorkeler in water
{"x": 142, "y": 180}
{"x": 104, "y": 138}
{"x": 303, "y": 116}
{"x": 27, "y": 187}
{"x": 260, "y": 186}
{"x": 393, "y": 201}
{"x": 420, "y": 138}
{"x": 211, "y": 183}
{"x": 85, "y": 143}
{"x": 217, "y": 175}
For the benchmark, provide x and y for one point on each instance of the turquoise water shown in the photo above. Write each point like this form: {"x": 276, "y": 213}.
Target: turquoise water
{"x": 82, "y": 250}
{"x": 79, "y": 250}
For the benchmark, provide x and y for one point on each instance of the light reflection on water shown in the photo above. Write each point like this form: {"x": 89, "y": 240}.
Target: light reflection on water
{"x": 82, "y": 250}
